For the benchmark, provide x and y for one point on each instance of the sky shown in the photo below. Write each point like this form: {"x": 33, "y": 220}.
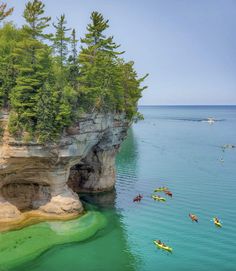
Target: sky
{"x": 188, "y": 47}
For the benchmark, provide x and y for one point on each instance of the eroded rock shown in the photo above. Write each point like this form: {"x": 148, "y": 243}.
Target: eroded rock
{"x": 34, "y": 177}
{"x": 96, "y": 173}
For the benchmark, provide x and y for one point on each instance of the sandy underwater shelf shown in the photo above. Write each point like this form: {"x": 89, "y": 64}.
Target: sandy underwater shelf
{"x": 20, "y": 246}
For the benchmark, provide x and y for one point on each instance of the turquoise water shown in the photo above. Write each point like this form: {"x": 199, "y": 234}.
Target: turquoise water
{"x": 171, "y": 147}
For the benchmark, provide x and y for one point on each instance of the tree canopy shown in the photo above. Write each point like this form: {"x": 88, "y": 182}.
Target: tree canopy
{"x": 47, "y": 82}
{"x": 4, "y": 12}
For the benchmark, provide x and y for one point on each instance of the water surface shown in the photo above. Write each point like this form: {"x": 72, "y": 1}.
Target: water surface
{"x": 173, "y": 146}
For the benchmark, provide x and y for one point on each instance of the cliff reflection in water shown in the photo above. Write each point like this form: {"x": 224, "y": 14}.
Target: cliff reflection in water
{"x": 128, "y": 156}
{"x": 113, "y": 240}
{"x": 127, "y": 171}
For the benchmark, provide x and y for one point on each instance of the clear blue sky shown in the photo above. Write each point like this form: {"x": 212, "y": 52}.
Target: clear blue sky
{"x": 187, "y": 46}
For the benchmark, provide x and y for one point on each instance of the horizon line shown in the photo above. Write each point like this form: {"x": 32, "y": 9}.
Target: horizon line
{"x": 187, "y": 105}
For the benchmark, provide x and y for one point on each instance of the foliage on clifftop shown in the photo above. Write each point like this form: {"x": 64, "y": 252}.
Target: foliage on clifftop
{"x": 46, "y": 82}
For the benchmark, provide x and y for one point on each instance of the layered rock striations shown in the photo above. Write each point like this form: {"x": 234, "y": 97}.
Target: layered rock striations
{"x": 42, "y": 181}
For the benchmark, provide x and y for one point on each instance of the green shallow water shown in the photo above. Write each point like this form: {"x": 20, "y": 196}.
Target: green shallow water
{"x": 105, "y": 250}
{"x": 20, "y": 246}
{"x": 174, "y": 147}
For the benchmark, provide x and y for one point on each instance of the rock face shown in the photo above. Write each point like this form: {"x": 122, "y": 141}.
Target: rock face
{"x": 43, "y": 179}
{"x": 95, "y": 173}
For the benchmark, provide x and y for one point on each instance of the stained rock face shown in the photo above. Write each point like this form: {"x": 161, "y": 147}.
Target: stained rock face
{"x": 43, "y": 179}
{"x": 95, "y": 173}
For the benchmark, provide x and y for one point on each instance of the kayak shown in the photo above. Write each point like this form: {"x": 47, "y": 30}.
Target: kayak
{"x": 161, "y": 189}
{"x": 161, "y": 246}
{"x": 158, "y": 198}
{"x": 193, "y": 217}
{"x": 218, "y": 224}
{"x": 168, "y": 193}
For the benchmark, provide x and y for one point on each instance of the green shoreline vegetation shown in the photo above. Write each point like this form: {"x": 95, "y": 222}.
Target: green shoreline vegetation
{"x": 46, "y": 83}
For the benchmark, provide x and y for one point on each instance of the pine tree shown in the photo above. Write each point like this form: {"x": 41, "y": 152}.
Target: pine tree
{"x": 131, "y": 85}
{"x": 73, "y": 62}
{"x": 37, "y": 23}
{"x": 45, "y": 89}
{"x": 46, "y": 108}
{"x": 61, "y": 40}
{"x": 32, "y": 63}
{"x": 7, "y": 80}
{"x": 7, "y": 72}
{"x": 9, "y": 36}
{"x": 95, "y": 38}
{"x": 74, "y": 42}
{"x": 98, "y": 80}
{"x": 4, "y": 12}
{"x": 31, "y": 76}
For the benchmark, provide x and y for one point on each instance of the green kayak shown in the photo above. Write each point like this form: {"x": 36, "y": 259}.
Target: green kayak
{"x": 164, "y": 247}
{"x": 161, "y": 189}
{"x": 158, "y": 198}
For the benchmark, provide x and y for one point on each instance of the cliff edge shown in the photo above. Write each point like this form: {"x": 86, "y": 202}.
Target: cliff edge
{"x": 39, "y": 181}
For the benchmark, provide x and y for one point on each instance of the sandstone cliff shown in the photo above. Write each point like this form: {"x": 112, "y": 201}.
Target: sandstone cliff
{"x": 41, "y": 181}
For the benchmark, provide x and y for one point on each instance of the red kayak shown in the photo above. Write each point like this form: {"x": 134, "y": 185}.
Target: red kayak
{"x": 138, "y": 198}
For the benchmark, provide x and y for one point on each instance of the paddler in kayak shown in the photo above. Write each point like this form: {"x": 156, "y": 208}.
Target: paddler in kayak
{"x": 161, "y": 189}
{"x": 163, "y": 246}
{"x": 193, "y": 217}
{"x": 217, "y": 222}
{"x": 158, "y": 198}
{"x": 168, "y": 193}
{"x": 138, "y": 198}
{"x": 160, "y": 243}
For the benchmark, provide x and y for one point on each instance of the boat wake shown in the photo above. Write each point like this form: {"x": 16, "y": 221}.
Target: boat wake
{"x": 208, "y": 120}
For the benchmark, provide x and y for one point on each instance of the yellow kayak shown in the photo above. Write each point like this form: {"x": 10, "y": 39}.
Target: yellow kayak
{"x": 217, "y": 223}
{"x": 158, "y": 198}
{"x": 161, "y": 189}
{"x": 166, "y": 248}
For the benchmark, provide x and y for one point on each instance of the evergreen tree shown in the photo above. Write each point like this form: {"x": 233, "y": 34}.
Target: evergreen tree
{"x": 46, "y": 109}
{"x": 9, "y": 36}
{"x": 32, "y": 63}
{"x": 95, "y": 38}
{"x": 31, "y": 76}
{"x": 73, "y": 62}
{"x": 99, "y": 84}
{"x": 4, "y": 12}
{"x": 61, "y": 40}
{"x": 131, "y": 85}
{"x": 36, "y": 22}
{"x": 74, "y": 42}
{"x": 45, "y": 90}
{"x": 99, "y": 74}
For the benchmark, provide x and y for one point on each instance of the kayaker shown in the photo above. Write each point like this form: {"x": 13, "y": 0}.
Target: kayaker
{"x": 167, "y": 192}
{"x": 137, "y": 198}
{"x": 193, "y": 217}
{"x": 160, "y": 243}
{"x": 217, "y": 220}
